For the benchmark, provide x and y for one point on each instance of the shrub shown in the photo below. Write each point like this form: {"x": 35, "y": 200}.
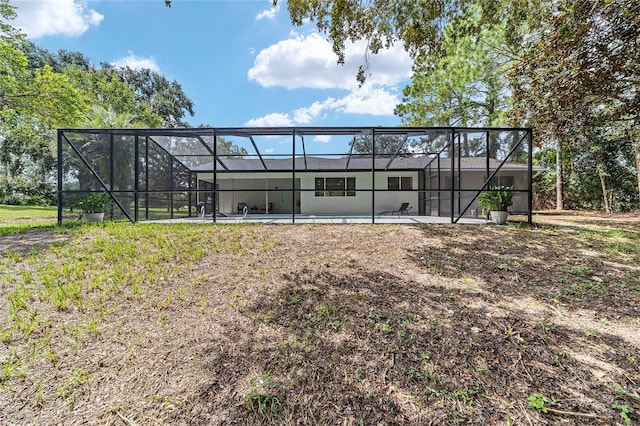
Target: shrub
{"x": 96, "y": 202}
{"x": 498, "y": 198}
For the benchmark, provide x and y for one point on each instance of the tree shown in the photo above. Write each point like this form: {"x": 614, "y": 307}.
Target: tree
{"x": 32, "y": 104}
{"x": 464, "y": 86}
{"x": 99, "y": 117}
{"x": 152, "y": 98}
{"x": 7, "y": 13}
{"x": 386, "y": 145}
{"x": 38, "y": 57}
{"x": 418, "y": 24}
{"x": 228, "y": 148}
{"x": 166, "y": 98}
{"x": 580, "y": 78}
{"x": 106, "y": 90}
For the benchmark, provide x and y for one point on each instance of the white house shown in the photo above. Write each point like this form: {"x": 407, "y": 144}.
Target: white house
{"x": 343, "y": 186}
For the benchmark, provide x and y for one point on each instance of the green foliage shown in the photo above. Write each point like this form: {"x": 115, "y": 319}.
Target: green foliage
{"x": 96, "y": 202}
{"x": 32, "y": 104}
{"x": 166, "y": 98}
{"x": 464, "y": 84}
{"x": 7, "y": 13}
{"x": 539, "y": 402}
{"x": 623, "y": 410}
{"x": 111, "y": 99}
{"x": 571, "y": 69}
{"x": 262, "y": 397}
{"x": 73, "y": 386}
{"x": 574, "y": 83}
{"x": 498, "y": 198}
{"x": 107, "y": 118}
{"x": 386, "y": 145}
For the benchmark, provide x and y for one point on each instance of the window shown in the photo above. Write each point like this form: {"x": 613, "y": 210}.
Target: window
{"x": 393, "y": 183}
{"x": 351, "y": 184}
{"x": 319, "y": 187}
{"x": 404, "y": 183}
{"x": 505, "y": 181}
{"x": 335, "y": 187}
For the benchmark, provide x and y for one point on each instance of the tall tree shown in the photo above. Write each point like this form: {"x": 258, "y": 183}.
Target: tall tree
{"x": 105, "y": 89}
{"x": 32, "y": 104}
{"x": 580, "y": 78}
{"x": 166, "y": 98}
{"x": 464, "y": 85}
{"x": 419, "y": 24}
{"x": 100, "y": 117}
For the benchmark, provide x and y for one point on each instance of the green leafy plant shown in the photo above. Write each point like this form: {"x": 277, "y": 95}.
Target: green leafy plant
{"x": 262, "y": 398}
{"x": 623, "y": 409}
{"x": 96, "y": 202}
{"x": 622, "y": 391}
{"x": 539, "y": 402}
{"x": 498, "y": 198}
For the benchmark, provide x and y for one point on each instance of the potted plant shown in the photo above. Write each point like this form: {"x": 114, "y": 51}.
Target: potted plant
{"x": 496, "y": 201}
{"x": 94, "y": 205}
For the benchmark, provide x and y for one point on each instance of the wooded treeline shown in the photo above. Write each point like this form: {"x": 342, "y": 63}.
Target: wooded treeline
{"x": 570, "y": 69}
{"x": 41, "y": 91}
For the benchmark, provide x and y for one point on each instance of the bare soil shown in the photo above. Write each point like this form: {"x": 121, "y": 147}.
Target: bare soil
{"x": 362, "y": 324}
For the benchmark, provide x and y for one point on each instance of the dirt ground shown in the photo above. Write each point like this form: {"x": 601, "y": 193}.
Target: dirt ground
{"x": 354, "y": 324}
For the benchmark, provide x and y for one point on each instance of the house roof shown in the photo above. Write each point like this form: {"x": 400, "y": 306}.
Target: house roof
{"x": 303, "y": 164}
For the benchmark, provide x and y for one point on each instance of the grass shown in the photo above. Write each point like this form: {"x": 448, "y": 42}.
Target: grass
{"x": 323, "y": 325}
{"x": 8, "y": 213}
{"x": 16, "y": 219}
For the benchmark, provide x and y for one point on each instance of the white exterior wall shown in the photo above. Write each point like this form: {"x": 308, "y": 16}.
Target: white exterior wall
{"x": 361, "y": 203}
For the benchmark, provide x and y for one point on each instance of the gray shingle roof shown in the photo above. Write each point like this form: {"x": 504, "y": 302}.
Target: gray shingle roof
{"x": 241, "y": 165}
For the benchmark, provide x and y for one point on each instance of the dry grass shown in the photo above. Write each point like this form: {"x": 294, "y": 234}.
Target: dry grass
{"x": 320, "y": 324}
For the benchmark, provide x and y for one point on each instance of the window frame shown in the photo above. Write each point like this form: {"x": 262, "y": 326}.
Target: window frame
{"x": 400, "y": 183}
{"x": 335, "y": 186}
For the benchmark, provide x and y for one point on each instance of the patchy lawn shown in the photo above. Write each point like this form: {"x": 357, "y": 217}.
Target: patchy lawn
{"x": 17, "y": 219}
{"x": 325, "y": 324}
{"x": 27, "y": 213}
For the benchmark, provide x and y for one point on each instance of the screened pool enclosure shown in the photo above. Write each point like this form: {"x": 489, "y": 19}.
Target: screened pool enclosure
{"x": 292, "y": 173}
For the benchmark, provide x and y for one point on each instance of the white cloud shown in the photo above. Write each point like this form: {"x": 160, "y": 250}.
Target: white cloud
{"x": 55, "y": 17}
{"x": 267, "y": 14}
{"x": 269, "y": 150}
{"x": 275, "y": 119}
{"x": 136, "y": 62}
{"x": 372, "y": 101}
{"x": 363, "y": 100}
{"x": 309, "y": 62}
{"x": 322, "y": 138}
{"x": 307, "y": 114}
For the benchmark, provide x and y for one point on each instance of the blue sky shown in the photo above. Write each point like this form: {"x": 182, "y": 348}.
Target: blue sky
{"x": 241, "y": 62}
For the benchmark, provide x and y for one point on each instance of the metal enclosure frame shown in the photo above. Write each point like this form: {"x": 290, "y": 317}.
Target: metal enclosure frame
{"x": 132, "y": 202}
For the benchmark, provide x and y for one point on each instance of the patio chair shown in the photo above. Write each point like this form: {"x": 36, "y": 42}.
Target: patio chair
{"x": 404, "y": 209}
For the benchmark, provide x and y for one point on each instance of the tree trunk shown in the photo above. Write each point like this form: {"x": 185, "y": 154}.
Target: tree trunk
{"x": 605, "y": 191}
{"x": 637, "y": 152}
{"x": 559, "y": 189}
